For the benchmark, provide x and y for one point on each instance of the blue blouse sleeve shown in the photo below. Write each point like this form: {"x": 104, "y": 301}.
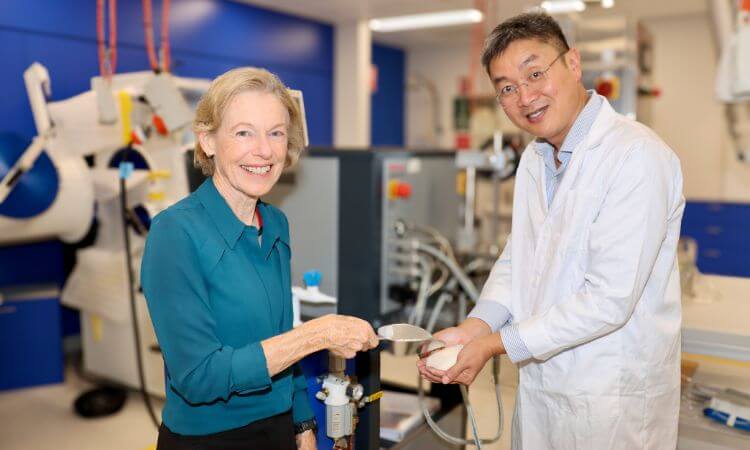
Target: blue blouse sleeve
{"x": 200, "y": 368}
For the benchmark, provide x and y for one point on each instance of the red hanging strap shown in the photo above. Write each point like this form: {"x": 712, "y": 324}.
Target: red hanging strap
{"x": 107, "y": 54}
{"x": 148, "y": 28}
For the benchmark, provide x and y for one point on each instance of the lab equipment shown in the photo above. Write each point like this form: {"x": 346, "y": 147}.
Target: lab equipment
{"x": 730, "y": 407}
{"x": 731, "y": 20}
{"x": 411, "y": 242}
{"x": 377, "y": 224}
{"x": 342, "y": 398}
{"x": 309, "y": 295}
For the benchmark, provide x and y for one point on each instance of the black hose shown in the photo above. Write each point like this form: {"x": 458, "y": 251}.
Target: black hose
{"x": 131, "y": 291}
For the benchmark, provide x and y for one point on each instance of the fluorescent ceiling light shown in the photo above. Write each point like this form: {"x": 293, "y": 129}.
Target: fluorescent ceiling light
{"x": 563, "y": 6}
{"x": 429, "y": 20}
{"x": 608, "y": 3}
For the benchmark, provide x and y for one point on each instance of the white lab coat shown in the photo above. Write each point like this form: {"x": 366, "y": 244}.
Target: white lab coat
{"x": 593, "y": 284}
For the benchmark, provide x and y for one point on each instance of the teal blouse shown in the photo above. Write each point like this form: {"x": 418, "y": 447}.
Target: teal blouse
{"x": 214, "y": 293}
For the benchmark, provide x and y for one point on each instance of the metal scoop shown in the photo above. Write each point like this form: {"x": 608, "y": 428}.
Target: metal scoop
{"x": 403, "y": 332}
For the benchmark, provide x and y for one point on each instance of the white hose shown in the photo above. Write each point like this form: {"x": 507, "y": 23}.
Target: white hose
{"x": 447, "y": 259}
{"x": 417, "y": 314}
{"x": 466, "y": 284}
{"x": 477, "y": 441}
{"x": 472, "y": 420}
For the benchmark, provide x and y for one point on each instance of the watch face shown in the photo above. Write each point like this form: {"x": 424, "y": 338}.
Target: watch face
{"x": 311, "y": 424}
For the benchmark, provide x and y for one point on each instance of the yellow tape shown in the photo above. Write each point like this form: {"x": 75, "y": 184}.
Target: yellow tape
{"x": 160, "y": 174}
{"x": 374, "y": 397}
{"x": 461, "y": 183}
{"x": 157, "y": 196}
{"x": 97, "y": 327}
{"x": 716, "y": 360}
{"x": 126, "y": 108}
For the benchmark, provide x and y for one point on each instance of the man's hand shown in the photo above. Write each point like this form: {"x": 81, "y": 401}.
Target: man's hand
{"x": 472, "y": 359}
{"x": 462, "y": 334}
{"x": 306, "y": 440}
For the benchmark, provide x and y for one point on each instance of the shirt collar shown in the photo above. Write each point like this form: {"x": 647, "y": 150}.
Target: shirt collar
{"x": 272, "y": 227}
{"x": 580, "y": 128}
{"x": 229, "y": 226}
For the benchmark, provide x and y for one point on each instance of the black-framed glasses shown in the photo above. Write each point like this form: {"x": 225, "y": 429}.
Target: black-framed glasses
{"x": 535, "y": 80}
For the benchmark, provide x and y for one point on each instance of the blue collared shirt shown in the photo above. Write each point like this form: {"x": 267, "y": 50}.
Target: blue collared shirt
{"x": 495, "y": 315}
{"x": 214, "y": 292}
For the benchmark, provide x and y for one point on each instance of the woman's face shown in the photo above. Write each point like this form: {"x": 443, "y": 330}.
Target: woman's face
{"x": 249, "y": 148}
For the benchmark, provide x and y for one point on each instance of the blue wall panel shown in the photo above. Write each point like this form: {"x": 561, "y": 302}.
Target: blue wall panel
{"x": 207, "y": 37}
{"x": 388, "y": 101}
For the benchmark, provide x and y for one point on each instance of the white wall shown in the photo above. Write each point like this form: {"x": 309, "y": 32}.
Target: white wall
{"x": 687, "y": 115}
{"x": 444, "y": 67}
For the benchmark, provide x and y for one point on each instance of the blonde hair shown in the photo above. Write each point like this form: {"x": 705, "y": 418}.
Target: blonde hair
{"x": 211, "y": 107}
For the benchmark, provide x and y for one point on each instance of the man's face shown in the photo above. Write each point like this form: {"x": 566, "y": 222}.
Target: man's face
{"x": 547, "y": 108}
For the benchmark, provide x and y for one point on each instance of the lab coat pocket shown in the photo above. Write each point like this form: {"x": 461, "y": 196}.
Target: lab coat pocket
{"x": 576, "y": 217}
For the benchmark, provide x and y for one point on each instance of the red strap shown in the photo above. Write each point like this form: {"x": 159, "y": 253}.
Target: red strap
{"x": 259, "y": 217}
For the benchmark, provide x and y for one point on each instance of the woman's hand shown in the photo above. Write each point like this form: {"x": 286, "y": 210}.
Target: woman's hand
{"x": 306, "y": 440}
{"x": 345, "y": 335}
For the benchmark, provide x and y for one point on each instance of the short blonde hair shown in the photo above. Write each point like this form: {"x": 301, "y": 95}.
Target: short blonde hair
{"x": 211, "y": 107}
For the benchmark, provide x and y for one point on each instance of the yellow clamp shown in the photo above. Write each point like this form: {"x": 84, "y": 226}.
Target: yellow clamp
{"x": 373, "y": 397}
{"x": 156, "y": 196}
{"x": 161, "y": 174}
{"x": 126, "y": 108}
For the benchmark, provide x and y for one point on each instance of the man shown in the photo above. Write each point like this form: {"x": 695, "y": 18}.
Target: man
{"x": 586, "y": 295}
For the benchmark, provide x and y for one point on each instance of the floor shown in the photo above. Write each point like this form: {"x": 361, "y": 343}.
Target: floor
{"x": 43, "y": 418}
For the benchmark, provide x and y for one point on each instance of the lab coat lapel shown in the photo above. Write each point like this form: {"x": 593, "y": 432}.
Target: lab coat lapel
{"x": 600, "y": 127}
{"x": 537, "y": 183}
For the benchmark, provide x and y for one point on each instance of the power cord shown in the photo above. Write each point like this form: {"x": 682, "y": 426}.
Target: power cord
{"x": 125, "y": 171}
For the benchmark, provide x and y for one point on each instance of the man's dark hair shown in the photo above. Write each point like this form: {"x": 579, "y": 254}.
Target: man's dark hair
{"x": 539, "y": 26}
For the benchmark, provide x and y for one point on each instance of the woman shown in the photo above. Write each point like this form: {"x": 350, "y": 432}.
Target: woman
{"x": 216, "y": 277}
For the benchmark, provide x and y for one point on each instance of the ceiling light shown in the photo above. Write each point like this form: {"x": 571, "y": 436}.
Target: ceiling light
{"x": 608, "y": 3}
{"x": 429, "y": 20}
{"x": 563, "y": 6}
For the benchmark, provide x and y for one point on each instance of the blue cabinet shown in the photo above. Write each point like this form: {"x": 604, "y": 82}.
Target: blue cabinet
{"x": 721, "y": 231}
{"x": 30, "y": 340}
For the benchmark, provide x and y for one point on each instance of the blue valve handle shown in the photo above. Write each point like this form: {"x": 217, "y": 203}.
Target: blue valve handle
{"x": 312, "y": 278}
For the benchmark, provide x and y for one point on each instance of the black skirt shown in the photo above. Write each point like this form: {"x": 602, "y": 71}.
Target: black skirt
{"x": 276, "y": 432}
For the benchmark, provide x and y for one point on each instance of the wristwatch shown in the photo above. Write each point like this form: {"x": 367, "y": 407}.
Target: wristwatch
{"x": 305, "y": 425}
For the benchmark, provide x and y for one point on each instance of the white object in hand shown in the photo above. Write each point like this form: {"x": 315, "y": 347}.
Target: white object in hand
{"x": 445, "y": 358}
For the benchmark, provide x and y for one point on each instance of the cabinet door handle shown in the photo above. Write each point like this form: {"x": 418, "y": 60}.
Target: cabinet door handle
{"x": 8, "y": 309}
{"x": 714, "y": 230}
{"x": 712, "y": 253}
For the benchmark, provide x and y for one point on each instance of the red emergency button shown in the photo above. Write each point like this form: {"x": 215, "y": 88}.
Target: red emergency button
{"x": 398, "y": 189}
{"x": 403, "y": 190}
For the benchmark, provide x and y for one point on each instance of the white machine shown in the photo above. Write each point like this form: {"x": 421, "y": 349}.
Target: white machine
{"x": 731, "y": 20}
{"x": 142, "y": 115}
{"x": 141, "y": 119}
